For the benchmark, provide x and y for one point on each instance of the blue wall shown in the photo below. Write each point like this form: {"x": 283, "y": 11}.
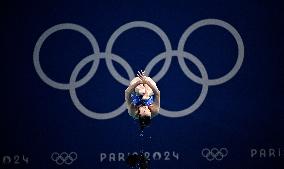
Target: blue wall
{"x": 241, "y": 115}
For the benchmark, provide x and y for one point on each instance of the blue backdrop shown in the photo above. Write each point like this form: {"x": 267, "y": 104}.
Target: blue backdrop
{"x": 238, "y": 125}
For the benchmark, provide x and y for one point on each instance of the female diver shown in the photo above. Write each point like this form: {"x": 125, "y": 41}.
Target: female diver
{"x": 143, "y": 99}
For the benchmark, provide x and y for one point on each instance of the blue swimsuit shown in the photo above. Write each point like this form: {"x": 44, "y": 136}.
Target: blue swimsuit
{"x": 137, "y": 100}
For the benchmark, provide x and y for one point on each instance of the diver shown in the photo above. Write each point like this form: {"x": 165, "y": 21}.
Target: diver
{"x": 142, "y": 98}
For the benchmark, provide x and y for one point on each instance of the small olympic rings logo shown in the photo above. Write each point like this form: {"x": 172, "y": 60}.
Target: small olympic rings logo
{"x": 214, "y": 154}
{"x": 110, "y": 57}
{"x": 64, "y": 158}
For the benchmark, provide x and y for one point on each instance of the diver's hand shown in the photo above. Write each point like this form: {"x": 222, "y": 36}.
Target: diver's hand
{"x": 141, "y": 75}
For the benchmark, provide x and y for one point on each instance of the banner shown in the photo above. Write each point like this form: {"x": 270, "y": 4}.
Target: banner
{"x": 66, "y": 66}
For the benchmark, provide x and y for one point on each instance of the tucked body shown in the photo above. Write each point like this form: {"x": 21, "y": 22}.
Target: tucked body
{"x": 142, "y": 97}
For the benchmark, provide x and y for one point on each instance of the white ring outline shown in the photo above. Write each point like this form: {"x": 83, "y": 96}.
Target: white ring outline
{"x": 225, "y": 151}
{"x": 50, "y": 31}
{"x": 228, "y": 27}
{"x": 53, "y": 154}
{"x": 204, "y": 89}
{"x": 75, "y": 155}
{"x": 75, "y": 99}
{"x": 131, "y": 25}
{"x": 203, "y": 152}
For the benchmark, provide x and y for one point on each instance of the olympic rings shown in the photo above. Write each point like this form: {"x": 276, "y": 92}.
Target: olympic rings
{"x": 214, "y": 154}
{"x": 64, "y": 158}
{"x": 110, "y": 57}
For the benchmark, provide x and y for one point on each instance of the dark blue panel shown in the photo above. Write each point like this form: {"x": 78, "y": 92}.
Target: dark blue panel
{"x": 238, "y": 125}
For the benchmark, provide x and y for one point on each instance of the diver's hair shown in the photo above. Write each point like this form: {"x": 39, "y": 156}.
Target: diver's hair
{"x": 144, "y": 121}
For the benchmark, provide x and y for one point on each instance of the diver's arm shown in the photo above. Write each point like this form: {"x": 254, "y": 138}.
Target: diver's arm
{"x": 144, "y": 80}
{"x": 132, "y": 111}
{"x": 155, "y": 106}
{"x": 156, "y": 93}
{"x": 129, "y": 90}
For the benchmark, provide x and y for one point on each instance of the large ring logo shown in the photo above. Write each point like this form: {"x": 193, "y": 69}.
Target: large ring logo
{"x": 110, "y": 57}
